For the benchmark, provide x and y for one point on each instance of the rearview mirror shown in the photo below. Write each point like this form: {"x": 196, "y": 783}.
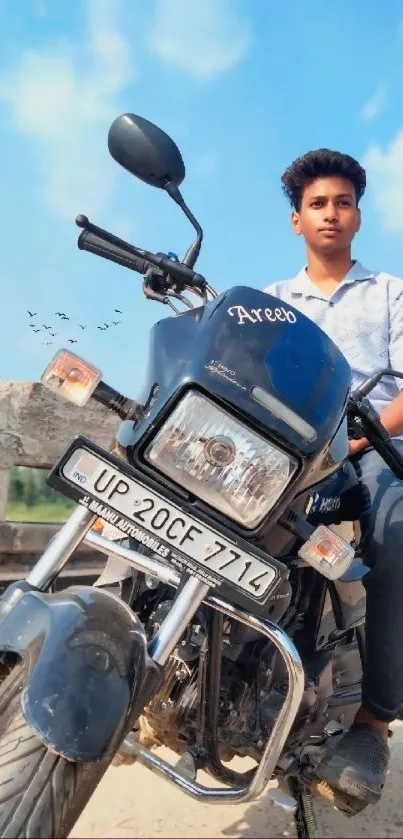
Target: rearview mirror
{"x": 145, "y": 151}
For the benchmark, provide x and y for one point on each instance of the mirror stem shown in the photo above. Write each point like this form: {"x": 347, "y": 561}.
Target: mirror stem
{"x": 193, "y": 252}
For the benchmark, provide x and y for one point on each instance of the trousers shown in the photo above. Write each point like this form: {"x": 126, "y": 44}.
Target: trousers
{"x": 382, "y": 532}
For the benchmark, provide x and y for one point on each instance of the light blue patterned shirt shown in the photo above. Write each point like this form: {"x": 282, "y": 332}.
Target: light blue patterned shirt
{"x": 363, "y": 316}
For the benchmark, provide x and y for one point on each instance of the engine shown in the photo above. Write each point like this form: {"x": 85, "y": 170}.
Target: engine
{"x": 172, "y": 718}
{"x": 252, "y": 687}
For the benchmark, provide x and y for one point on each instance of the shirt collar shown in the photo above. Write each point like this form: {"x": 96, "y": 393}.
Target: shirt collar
{"x": 302, "y": 285}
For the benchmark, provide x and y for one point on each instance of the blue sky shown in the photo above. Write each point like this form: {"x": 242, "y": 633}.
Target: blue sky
{"x": 243, "y": 86}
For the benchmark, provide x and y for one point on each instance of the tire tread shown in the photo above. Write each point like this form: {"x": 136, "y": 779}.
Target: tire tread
{"x": 41, "y": 794}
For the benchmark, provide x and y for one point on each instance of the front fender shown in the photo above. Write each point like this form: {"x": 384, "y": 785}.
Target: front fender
{"x": 86, "y": 657}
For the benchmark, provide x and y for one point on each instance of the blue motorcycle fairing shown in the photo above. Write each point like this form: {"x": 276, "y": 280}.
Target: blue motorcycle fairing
{"x": 241, "y": 340}
{"x": 86, "y": 654}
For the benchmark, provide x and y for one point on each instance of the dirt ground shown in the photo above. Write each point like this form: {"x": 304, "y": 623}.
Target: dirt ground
{"x": 132, "y": 802}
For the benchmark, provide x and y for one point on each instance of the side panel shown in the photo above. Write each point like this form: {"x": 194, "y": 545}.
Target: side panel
{"x": 338, "y": 498}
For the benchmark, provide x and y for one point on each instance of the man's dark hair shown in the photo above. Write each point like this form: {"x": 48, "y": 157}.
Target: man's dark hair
{"x": 319, "y": 164}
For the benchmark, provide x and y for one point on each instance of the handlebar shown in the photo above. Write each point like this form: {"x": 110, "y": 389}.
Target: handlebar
{"x": 97, "y": 240}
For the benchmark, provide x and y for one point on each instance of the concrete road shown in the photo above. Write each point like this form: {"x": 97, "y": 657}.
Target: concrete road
{"x": 132, "y": 802}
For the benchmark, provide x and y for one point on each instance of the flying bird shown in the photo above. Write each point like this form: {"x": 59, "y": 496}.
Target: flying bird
{"x": 47, "y": 343}
{"x": 106, "y": 325}
{"x": 37, "y": 330}
{"x": 102, "y": 328}
{"x": 61, "y": 314}
{"x": 81, "y": 326}
{"x": 33, "y": 325}
{"x": 72, "y": 340}
{"x": 53, "y": 334}
{"x": 32, "y": 314}
{"x": 116, "y": 322}
{"x": 118, "y": 311}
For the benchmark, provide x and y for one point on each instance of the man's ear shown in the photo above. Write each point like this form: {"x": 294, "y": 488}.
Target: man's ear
{"x": 296, "y": 223}
{"x": 358, "y": 219}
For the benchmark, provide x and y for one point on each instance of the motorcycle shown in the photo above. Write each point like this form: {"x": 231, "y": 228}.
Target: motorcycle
{"x": 239, "y": 629}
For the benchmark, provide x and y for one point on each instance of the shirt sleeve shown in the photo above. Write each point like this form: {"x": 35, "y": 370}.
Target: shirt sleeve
{"x": 396, "y": 331}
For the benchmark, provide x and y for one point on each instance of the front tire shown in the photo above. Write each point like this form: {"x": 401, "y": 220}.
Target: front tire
{"x": 41, "y": 793}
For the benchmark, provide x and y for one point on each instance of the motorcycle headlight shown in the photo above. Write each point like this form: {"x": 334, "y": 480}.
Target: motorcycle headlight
{"x": 221, "y": 460}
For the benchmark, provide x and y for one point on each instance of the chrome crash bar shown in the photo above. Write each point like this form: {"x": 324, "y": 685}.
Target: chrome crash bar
{"x": 285, "y": 646}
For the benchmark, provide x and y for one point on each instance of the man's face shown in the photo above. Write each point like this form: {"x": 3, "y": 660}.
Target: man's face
{"x": 328, "y": 218}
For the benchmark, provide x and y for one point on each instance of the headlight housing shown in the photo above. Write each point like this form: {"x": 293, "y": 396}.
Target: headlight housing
{"x": 220, "y": 460}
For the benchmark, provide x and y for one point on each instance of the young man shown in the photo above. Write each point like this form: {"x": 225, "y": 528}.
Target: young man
{"x": 362, "y": 311}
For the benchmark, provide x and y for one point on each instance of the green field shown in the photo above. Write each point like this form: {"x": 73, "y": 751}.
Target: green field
{"x": 43, "y": 511}
{"x": 30, "y": 498}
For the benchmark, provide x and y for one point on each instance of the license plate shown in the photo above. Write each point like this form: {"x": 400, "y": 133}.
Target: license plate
{"x": 138, "y": 511}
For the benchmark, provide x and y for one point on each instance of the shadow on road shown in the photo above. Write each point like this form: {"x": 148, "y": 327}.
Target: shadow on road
{"x": 264, "y": 821}
{"x": 132, "y": 802}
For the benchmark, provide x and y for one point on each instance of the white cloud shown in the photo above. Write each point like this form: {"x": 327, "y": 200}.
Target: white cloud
{"x": 375, "y": 104}
{"x": 64, "y": 97}
{"x": 203, "y": 39}
{"x": 385, "y": 175}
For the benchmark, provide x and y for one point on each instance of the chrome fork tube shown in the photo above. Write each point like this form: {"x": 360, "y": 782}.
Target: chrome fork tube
{"x": 173, "y": 626}
{"x": 60, "y": 548}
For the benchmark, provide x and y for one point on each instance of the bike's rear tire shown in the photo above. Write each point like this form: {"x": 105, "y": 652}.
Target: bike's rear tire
{"x": 41, "y": 793}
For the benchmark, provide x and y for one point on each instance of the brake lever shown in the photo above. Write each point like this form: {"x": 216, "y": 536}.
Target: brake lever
{"x": 376, "y": 433}
{"x": 371, "y": 421}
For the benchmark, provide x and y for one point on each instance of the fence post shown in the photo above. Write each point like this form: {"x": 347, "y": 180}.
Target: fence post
{"x": 4, "y": 482}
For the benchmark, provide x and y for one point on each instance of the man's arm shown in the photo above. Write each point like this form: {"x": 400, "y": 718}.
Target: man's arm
{"x": 392, "y": 414}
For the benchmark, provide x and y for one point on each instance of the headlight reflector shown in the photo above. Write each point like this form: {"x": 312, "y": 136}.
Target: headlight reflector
{"x": 221, "y": 460}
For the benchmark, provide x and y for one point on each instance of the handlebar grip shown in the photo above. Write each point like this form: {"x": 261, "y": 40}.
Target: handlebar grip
{"x": 88, "y": 241}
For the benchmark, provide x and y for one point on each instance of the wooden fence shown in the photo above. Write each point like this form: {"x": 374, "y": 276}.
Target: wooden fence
{"x": 35, "y": 428}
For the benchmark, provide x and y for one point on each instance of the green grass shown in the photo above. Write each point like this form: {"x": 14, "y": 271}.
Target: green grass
{"x": 46, "y": 512}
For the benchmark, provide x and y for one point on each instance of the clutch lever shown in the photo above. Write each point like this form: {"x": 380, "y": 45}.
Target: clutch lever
{"x": 152, "y": 294}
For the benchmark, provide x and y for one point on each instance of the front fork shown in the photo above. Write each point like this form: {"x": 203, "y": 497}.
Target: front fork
{"x": 55, "y": 558}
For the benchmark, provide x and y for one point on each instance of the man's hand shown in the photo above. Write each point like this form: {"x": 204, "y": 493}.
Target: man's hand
{"x": 357, "y": 446}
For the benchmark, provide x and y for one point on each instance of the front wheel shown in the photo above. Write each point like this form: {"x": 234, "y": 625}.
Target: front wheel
{"x": 41, "y": 793}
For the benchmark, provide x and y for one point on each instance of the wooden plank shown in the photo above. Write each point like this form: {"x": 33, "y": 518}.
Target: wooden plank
{"x": 29, "y": 537}
{"x": 11, "y": 570}
{"x": 37, "y": 425}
